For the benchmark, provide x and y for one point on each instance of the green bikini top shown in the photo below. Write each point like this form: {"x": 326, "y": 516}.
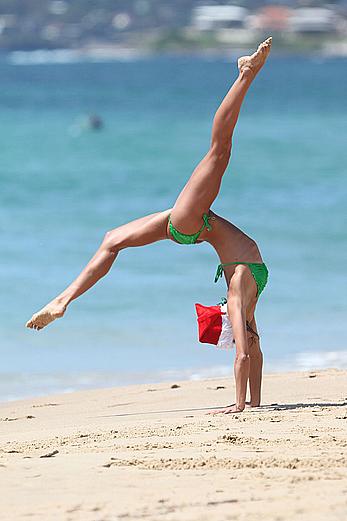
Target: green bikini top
{"x": 184, "y": 238}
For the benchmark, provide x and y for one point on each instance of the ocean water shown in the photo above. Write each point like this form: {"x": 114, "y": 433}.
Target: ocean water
{"x": 63, "y": 186}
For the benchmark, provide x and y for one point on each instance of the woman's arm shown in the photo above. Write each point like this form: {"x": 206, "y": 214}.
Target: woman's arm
{"x": 256, "y": 364}
{"x": 237, "y": 314}
{"x": 240, "y": 296}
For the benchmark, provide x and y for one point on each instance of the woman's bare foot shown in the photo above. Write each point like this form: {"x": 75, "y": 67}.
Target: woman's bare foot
{"x": 46, "y": 315}
{"x": 253, "y": 64}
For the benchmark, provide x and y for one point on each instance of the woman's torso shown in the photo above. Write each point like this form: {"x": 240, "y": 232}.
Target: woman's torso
{"x": 230, "y": 243}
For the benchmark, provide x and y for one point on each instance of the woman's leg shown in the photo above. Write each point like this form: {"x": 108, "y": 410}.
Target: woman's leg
{"x": 203, "y": 186}
{"x": 143, "y": 231}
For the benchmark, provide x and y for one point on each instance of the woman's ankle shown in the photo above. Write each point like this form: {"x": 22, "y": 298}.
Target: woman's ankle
{"x": 62, "y": 301}
{"x": 247, "y": 73}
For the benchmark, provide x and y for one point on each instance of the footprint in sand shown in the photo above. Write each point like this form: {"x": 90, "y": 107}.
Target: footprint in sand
{"x": 28, "y": 417}
{"x": 46, "y": 405}
{"x": 50, "y": 454}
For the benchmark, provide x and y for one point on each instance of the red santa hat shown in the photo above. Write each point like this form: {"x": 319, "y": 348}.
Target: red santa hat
{"x": 214, "y": 326}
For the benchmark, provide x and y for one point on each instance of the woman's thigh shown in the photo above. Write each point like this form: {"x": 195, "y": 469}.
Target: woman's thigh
{"x": 146, "y": 230}
{"x": 200, "y": 191}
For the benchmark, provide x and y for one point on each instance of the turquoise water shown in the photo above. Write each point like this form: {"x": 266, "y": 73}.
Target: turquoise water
{"x": 61, "y": 190}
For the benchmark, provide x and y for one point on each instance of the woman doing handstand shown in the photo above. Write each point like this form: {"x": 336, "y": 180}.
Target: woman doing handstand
{"x": 191, "y": 221}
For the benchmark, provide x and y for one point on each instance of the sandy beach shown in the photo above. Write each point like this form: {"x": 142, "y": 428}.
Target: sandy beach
{"x": 152, "y": 452}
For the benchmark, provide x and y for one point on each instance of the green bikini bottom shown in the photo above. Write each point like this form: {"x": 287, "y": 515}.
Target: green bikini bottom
{"x": 184, "y": 238}
{"x": 258, "y": 269}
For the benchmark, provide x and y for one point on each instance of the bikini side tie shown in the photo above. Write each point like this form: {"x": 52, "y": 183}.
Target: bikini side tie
{"x": 219, "y": 272}
{"x": 206, "y": 220}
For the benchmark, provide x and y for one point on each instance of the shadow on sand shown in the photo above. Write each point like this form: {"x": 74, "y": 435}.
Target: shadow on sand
{"x": 262, "y": 408}
{"x": 292, "y": 406}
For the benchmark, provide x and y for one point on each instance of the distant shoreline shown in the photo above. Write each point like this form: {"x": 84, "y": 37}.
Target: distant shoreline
{"x": 182, "y": 43}
{"x": 99, "y": 55}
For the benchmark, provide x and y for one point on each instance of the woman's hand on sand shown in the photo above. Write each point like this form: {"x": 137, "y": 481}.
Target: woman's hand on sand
{"x": 230, "y": 409}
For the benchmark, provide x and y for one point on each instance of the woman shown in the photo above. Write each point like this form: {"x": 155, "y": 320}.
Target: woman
{"x": 191, "y": 221}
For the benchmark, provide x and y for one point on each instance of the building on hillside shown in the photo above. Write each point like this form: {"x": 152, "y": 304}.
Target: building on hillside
{"x": 212, "y": 17}
{"x": 272, "y": 18}
{"x": 313, "y": 20}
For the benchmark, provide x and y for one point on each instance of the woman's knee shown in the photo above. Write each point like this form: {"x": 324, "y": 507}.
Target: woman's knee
{"x": 111, "y": 241}
{"x": 220, "y": 152}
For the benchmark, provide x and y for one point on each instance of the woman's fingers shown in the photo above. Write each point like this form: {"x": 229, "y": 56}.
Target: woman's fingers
{"x": 221, "y": 410}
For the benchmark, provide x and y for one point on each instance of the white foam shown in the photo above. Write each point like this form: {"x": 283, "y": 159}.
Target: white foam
{"x": 16, "y": 386}
{"x": 65, "y": 56}
{"x": 321, "y": 360}
{"x": 42, "y": 56}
